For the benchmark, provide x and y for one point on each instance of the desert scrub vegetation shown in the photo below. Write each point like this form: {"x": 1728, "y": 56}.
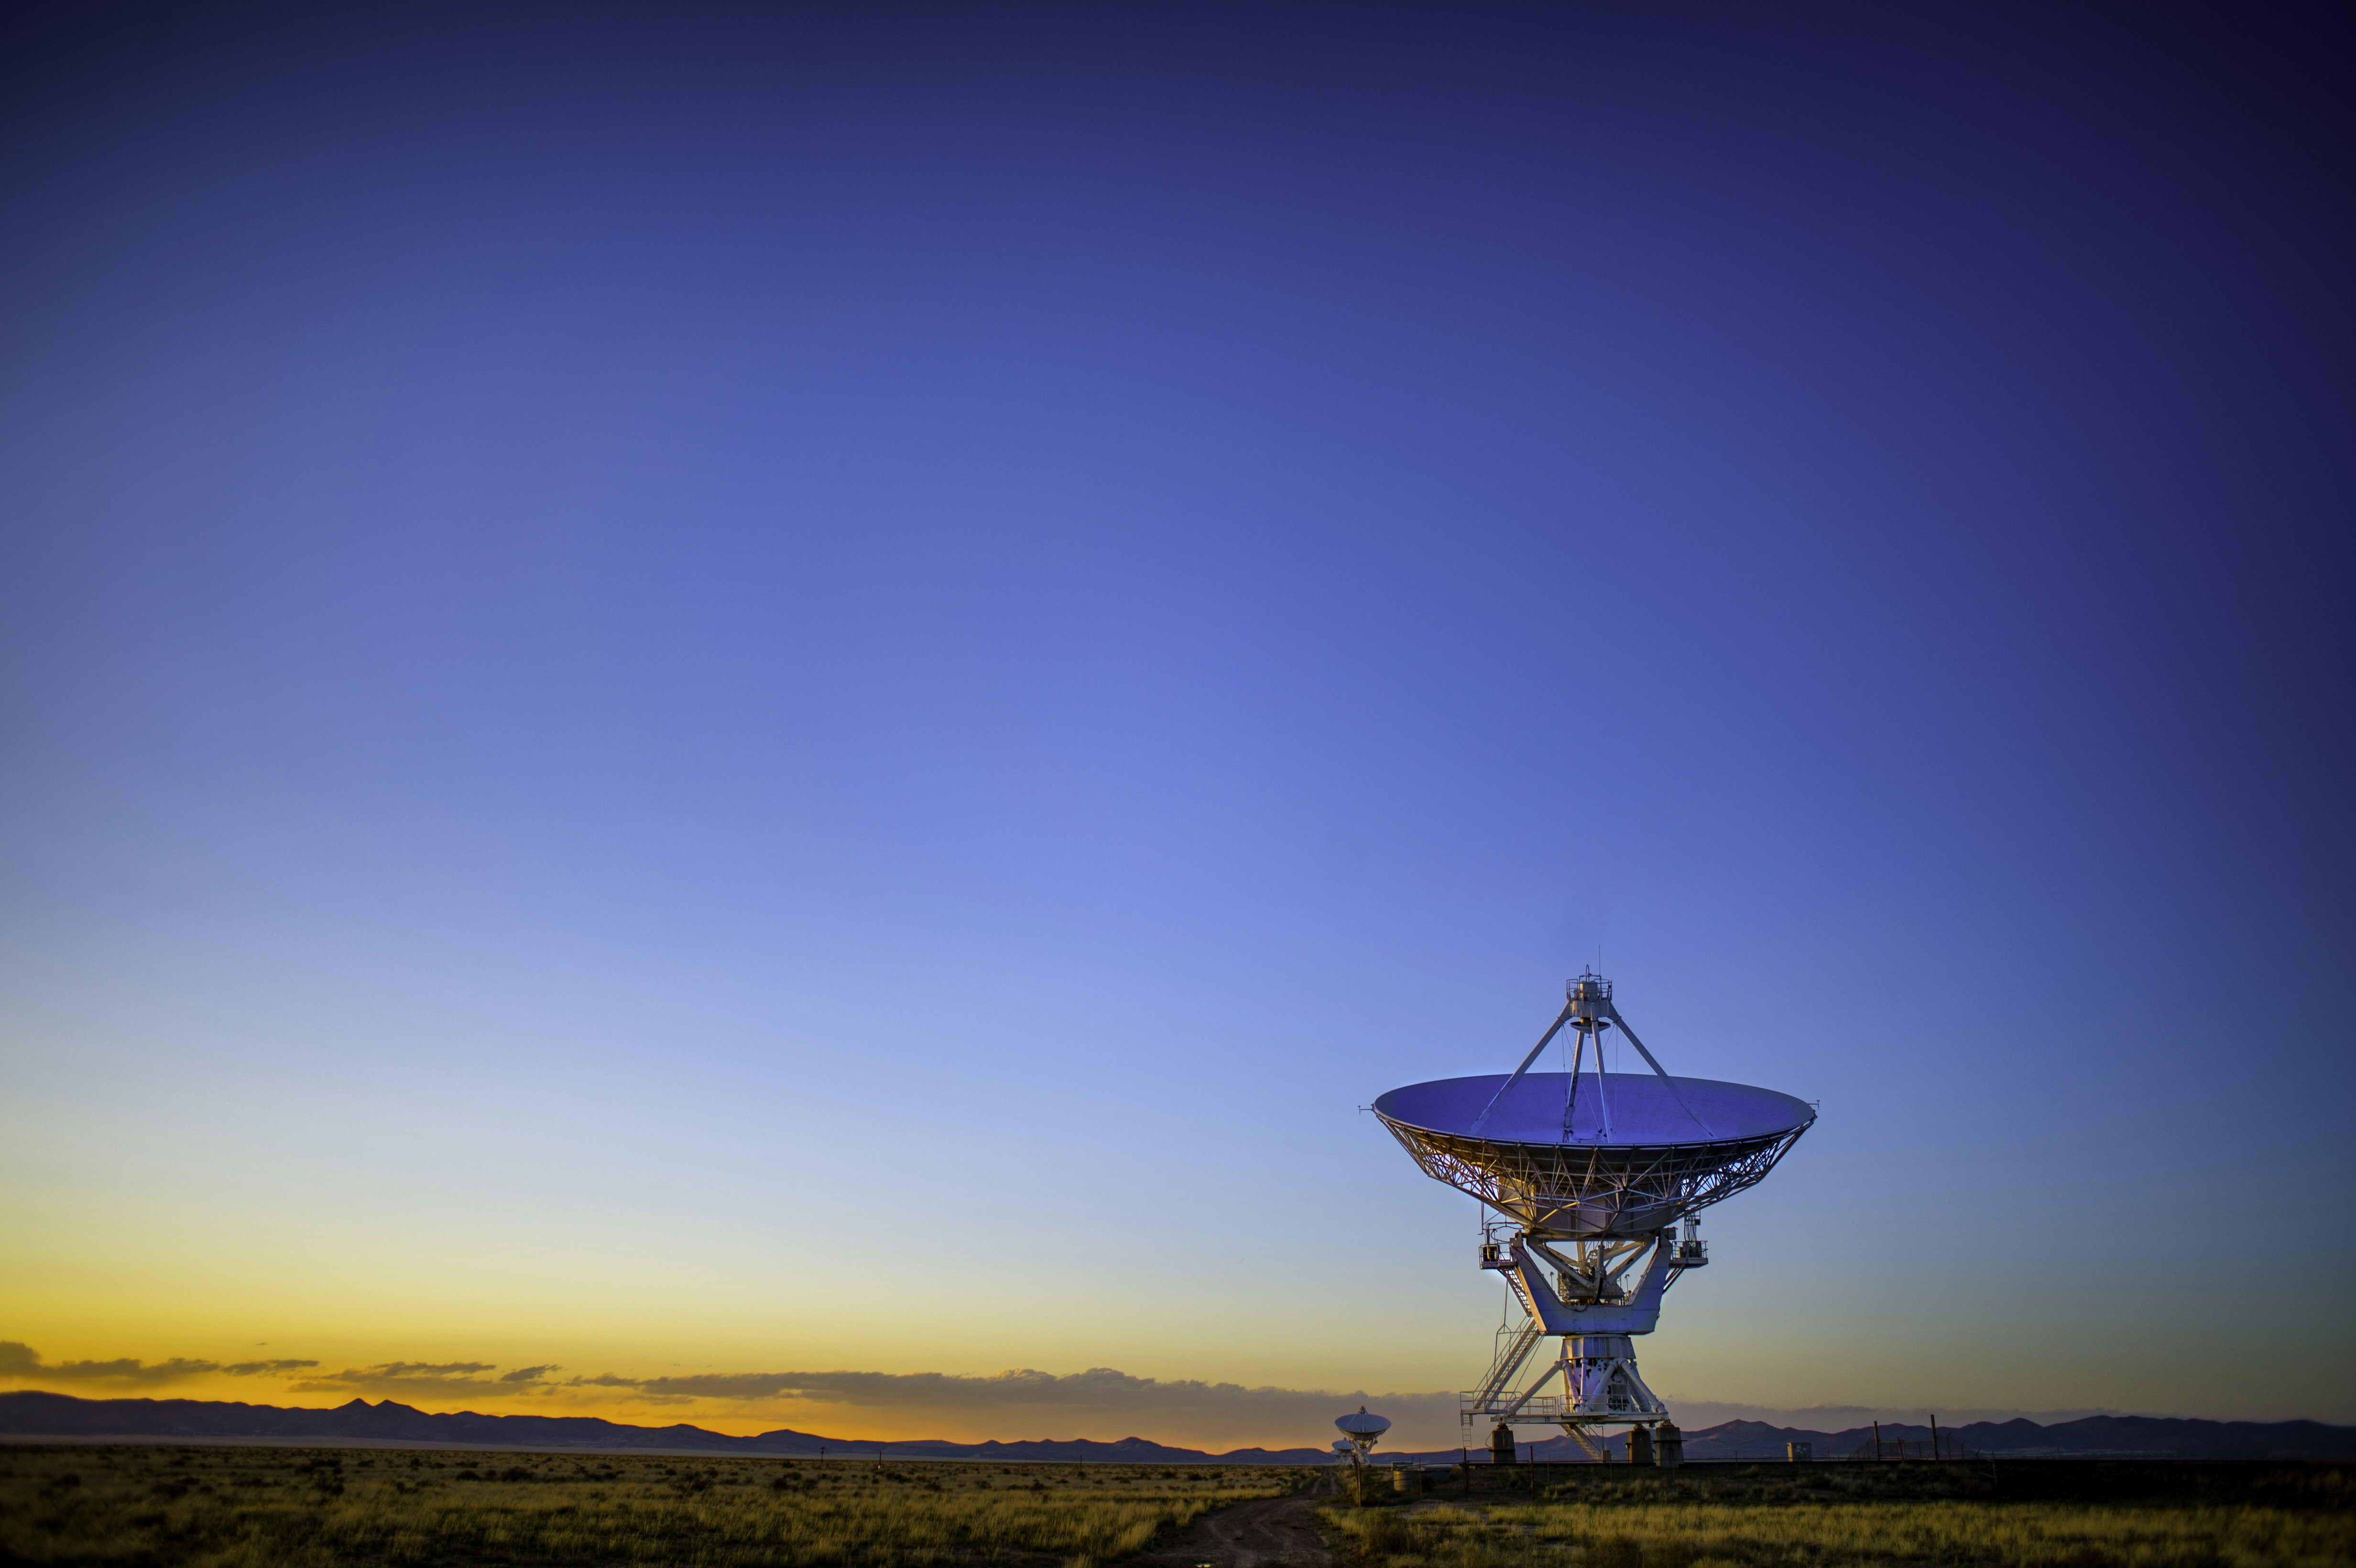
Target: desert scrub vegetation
{"x": 1774, "y": 1523}
{"x": 279, "y": 1508}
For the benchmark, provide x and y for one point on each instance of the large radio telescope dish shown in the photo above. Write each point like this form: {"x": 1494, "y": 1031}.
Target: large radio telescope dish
{"x": 1359, "y": 1434}
{"x": 1590, "y": 1171}
{"x": 1630, "y": 1155}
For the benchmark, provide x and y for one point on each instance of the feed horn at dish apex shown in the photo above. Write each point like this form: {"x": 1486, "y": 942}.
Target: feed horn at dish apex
{"x": 1587, "y": 1176}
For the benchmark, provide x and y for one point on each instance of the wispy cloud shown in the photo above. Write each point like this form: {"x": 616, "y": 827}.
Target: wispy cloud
{"x": 410, "y": 1380}
{"x": 21, "y": 1361}
{"x": 1097, "y": 1388}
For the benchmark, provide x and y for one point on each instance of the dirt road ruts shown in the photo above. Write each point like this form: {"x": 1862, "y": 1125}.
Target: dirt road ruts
{"x": 1250, "y": 1535}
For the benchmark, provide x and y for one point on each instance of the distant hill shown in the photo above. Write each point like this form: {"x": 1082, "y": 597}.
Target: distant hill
{"x": 2097, "y": 1436}
{"x": 35, "y": 1414}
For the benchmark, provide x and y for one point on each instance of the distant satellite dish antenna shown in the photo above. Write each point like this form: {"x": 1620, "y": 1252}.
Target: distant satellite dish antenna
{"x": 1359, "y": 1434}
{"x": 1589, "y": 1172}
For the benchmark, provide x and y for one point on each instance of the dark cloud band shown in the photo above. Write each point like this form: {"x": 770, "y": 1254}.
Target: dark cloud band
{"x": 1098, "y": 1389}
{"x": 22, "y": 1361}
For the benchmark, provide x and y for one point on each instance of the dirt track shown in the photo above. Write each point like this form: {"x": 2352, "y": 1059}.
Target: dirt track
{"x": 1248, "y": 1535}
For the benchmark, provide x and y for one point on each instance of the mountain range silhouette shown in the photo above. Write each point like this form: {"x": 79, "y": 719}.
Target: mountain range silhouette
{"x": 33, "y": 1414}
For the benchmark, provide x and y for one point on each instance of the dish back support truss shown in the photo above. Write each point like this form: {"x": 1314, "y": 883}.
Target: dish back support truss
{"x": 1568, "y": 1189}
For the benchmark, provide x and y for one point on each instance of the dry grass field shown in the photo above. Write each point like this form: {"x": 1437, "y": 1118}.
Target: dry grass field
{"x": 281, "y": 1507}
{"x": 1883, "y": 1517}
{"x": 143, "y": 1507}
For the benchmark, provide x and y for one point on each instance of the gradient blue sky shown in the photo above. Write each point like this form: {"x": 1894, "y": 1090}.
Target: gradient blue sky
{"x": 769, "y": 690}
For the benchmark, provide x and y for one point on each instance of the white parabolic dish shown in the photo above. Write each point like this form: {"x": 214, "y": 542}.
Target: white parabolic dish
{"x": 1636, "y": 1156}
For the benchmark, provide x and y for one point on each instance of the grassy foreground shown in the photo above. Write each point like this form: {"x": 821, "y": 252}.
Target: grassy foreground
{"x": 281, "y": 1508}
{"x": 1955, "y": 1516}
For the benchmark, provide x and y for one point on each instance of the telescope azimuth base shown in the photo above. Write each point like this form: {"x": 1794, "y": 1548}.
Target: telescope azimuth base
{"x": 1587, "y": 1306}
